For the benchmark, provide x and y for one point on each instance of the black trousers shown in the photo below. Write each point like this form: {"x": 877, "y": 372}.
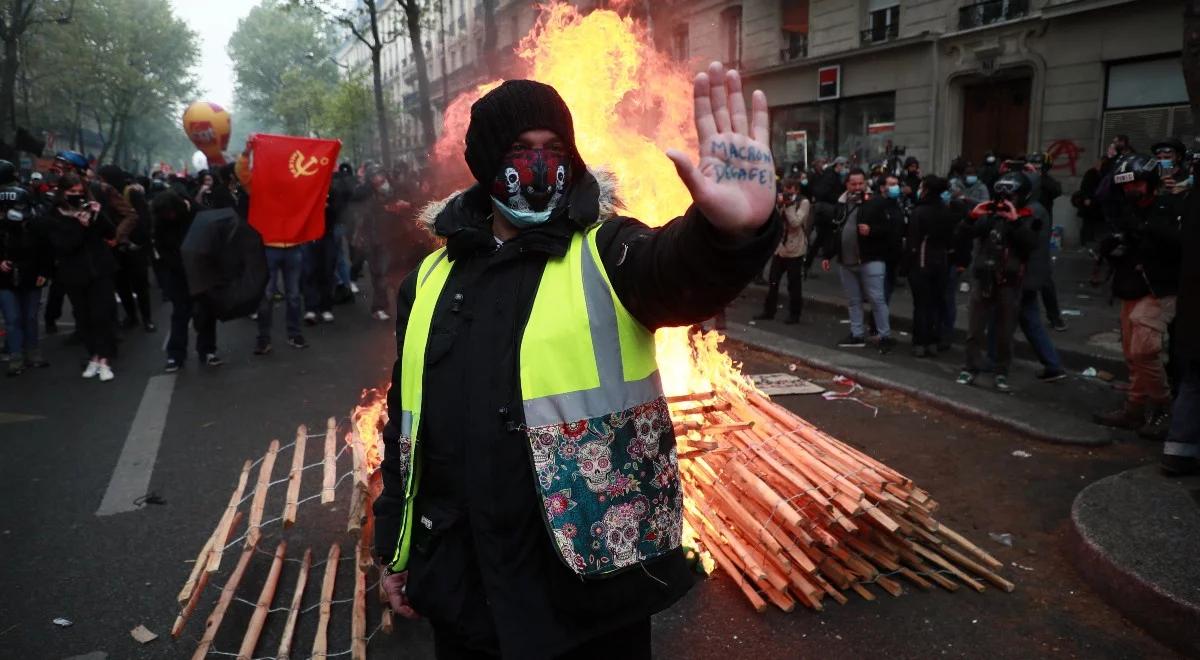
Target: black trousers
{"x": 794, "y": 268}
{"x": 1002, "y": 305}
{"x": 1050, "y": 300}
{"x": 186, "y": 309}
{"x": 95, "y": 316}
{"x": 54, "y": 301}
{"x": 928, "y": 286}
{"x": 132, "y": 282}
{"x": 629, "y": 643}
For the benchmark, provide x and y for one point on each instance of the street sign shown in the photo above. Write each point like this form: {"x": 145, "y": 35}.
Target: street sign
{"x": 829, "y": 82}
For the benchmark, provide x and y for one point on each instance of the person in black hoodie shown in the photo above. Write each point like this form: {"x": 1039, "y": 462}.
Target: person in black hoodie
{"x": 1181, "y": 451}
{"x": 80, "y": 234}
{"x": 927, "y": 261}
{"x": 25, "y": 265}
{"x": 1145, "y": 257}
{"x": 172, "y": 217}
{"x": 499, "y": 554}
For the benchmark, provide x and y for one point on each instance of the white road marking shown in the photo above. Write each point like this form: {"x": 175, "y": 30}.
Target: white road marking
{"x": 131, "y": 478}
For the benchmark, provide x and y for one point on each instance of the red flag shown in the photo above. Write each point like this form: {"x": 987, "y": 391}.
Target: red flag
{"x": 289, "y": 181}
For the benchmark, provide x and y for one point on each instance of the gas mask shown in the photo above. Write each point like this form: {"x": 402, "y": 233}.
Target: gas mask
{"x": 529, "y": 185}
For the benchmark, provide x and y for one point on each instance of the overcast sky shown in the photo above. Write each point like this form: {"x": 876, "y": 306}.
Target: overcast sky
{"x": 214, "y": 21}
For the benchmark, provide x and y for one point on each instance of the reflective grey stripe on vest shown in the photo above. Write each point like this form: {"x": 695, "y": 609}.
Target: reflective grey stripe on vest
{"x": 613, "y": 394}
{"x": 431, "y": 269}
{"x": 406, "y": 423}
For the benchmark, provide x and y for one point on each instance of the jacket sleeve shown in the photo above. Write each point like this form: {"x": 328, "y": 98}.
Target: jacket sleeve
{"x": 123, "y": 214}
{"x": 389, "y": 506}
{"x": 684, "y": 272}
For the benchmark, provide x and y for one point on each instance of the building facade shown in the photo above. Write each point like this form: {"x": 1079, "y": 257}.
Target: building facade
{"x": 942, "y": 79}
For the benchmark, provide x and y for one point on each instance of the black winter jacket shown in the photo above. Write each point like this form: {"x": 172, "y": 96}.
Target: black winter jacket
{"x": 80, "y": 252}
{"x": 484, "y": 568}
{"x": 1001, "y": 261}
{"x": 930, "y": 235}
{"x": 24, "y": 245}
{"x": 878, "y": 245}
{"x": 1145, "y": 252}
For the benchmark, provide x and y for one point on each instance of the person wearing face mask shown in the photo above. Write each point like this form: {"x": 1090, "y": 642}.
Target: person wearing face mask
{"x": 969, "y": 187}
{"x": 927, "y": 263}
{"x": 789, "y": 256}
{"x": 1144, "y": 254}
{"x": 381, "y": 234}
{"x": 895, "y": 209}
{"x": 861, "y": 243}
{"x": 910, "y": 179}
{"x": 80, "y": 234}
{"x": 829, "y": 184}
{"x": 1181, "y": 449}
{"x": 547, "y": 518}
{"x": 25, "y": 264}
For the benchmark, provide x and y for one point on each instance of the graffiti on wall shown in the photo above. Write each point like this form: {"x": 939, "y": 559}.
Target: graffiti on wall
{"x": 1064, "y": 155}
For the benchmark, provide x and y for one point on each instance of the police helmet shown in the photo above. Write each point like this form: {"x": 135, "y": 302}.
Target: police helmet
{"x": 1136, "y": 167}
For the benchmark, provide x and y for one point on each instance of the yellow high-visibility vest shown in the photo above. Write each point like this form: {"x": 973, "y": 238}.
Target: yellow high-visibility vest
{"x": 585, "y": 362}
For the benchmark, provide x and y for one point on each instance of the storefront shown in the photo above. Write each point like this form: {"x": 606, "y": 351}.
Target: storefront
{"x": 861, "y": 128}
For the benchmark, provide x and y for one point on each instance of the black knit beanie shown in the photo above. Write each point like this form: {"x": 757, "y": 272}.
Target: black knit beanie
{"x": 504, "y": 113}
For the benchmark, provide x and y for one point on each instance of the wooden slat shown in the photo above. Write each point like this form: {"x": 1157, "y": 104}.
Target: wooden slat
{"x": 225, "y": 527}
{"x": 254, "y": 533}
{"x": 320, "y": 647}
{"x": 293, "y": 489}
{"x": 289, "y": 628}
{"x": 201, "y": 583}
{"x": 358, "y": 616}
{"x": 263, "y": 606}
{"x": 330, "y": 480}
{"x": 214, "y": 619}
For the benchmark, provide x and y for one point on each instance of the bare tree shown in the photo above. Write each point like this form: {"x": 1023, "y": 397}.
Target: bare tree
{"x": 363, "y": 22}
{"x": 490, "y": 37}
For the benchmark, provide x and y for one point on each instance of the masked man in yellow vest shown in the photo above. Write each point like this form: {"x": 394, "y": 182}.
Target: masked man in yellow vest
{"x": 531, "y": 505}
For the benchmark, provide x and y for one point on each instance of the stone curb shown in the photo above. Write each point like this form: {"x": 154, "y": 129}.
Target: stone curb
{"x": 1166, "y": 616}
{"x": 1059, "y": 430}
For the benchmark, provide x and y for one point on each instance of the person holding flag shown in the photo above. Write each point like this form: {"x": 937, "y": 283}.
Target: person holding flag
{"x": 541, "y": 515}
{"x": 287, "y": 179}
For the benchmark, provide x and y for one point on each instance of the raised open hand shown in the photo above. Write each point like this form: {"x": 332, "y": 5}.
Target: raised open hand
{"x": 734, "y": 184}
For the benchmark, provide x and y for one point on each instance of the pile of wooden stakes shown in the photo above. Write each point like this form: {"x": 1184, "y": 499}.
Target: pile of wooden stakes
{"x": 208, "y": 561}
{"x": 792, "y": 514}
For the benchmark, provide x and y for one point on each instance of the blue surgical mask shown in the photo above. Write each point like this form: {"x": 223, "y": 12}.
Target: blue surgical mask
{"x": 972, "y": 179}
{"x": 843, "y": 174}
{"x": 803, "y": 182}
{"x": 893, "y": 192}
{"x": 523, "y": 219}
{"x": 946, "y": 197}
{"x": 1190, "y": 181}
{"x": 1166, "y": 164}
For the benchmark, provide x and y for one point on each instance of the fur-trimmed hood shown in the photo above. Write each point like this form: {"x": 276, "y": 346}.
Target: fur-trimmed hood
{"x": 599, "y": 179}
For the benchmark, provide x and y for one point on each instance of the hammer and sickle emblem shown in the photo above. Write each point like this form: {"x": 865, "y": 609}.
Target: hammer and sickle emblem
{"x": 299, "y": 167}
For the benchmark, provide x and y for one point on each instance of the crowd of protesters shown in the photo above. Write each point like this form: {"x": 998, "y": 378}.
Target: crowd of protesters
{"x": 109, "y": 242}
{"x": 987, "y": 228}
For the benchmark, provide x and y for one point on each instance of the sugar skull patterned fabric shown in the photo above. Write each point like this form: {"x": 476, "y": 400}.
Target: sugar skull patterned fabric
{"x": 610, "y": 487}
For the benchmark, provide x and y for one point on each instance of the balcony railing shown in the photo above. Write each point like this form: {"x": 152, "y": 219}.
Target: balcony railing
{"x": 879, "y": 33}
{"x": 991, "y": 11}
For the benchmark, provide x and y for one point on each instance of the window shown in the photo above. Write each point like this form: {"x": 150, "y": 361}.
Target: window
{"x": 1146, "y": 100}
{"x": 991, "y": 11}
{"x": 731, "y": 36}
{"x": 860, "y": 128}
{"x": 883, "y": 21}
{"x": 680, "y": 48}
{"x": 795, "y": 29}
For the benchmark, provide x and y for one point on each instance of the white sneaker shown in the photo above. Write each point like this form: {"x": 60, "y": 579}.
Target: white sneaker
{"x": 310, "y": 318}
{"x": 92, "y": 369}
{"x": 353, "y": 288}
{"x": 106, "y": 373}
{"x": 380, "y": 315}
{"x": 327, "y": 317}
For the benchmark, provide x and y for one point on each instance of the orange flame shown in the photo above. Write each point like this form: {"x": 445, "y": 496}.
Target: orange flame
{"x": 368, "y": 419}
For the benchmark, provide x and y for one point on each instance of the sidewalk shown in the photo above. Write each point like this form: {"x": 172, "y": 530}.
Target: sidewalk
{"x": 1135, "y": 536}
{"x": 1091, "y": 339}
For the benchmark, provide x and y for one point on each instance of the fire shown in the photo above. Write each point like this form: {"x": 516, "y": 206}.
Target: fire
{"x": 367, "y": 421}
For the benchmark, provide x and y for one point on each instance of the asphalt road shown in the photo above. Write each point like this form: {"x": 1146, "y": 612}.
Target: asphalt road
{"x": 62, "y": 437}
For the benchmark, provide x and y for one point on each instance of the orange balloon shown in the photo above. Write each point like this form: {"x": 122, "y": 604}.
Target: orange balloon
{"x": 208, "y": 126}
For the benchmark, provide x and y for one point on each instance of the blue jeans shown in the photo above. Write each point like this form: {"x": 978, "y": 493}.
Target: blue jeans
{"x": 289, "y": 262}
{"x": 1184, "y": 437}
{"x": 866, "y": 281}
{"x": 20, "y": 309}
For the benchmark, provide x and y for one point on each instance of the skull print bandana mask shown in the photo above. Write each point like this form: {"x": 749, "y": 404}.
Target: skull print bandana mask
{"x": 530, "y": 184}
